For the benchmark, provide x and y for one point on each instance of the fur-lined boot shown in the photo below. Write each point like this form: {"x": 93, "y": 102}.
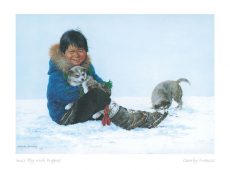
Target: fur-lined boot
{"x": 130, "y": 119}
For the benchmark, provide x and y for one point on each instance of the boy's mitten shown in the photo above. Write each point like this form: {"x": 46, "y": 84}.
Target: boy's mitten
{"x": 107, "y": 86}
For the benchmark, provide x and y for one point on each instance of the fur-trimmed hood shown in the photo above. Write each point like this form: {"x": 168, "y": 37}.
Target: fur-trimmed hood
{"x": 60, "y": 61}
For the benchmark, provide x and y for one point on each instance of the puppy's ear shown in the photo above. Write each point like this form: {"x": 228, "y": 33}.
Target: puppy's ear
{"x": 70, "y": 72}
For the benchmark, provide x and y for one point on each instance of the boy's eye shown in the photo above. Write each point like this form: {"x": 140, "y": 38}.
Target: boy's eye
{"x": 80, "y": 49}
{"x": 77, "y": 75}
{"x": 71, "y": 52}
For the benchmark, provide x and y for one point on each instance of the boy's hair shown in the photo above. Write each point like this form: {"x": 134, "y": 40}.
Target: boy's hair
{"x": 73, "y": 37}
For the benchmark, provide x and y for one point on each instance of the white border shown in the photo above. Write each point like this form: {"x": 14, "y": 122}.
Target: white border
{"x": 8, "y": 69}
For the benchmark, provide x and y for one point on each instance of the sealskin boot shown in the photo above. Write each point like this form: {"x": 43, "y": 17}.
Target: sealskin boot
{"x": 130, "y": 119}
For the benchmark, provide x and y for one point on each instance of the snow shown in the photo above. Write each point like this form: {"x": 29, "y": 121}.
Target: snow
{"x": 186, "y": 131}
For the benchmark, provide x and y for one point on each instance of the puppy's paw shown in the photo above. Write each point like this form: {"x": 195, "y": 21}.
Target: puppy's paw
{"x": 85, "y": 87}
{"x": 68, "y": 106}
{"x": 97, "y": 115}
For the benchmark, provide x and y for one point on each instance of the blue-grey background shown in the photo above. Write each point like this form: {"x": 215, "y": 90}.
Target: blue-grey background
{"x": 134, "y": 51}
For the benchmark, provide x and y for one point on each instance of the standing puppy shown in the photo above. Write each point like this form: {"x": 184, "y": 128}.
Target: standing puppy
{"x": 164, "y": 92}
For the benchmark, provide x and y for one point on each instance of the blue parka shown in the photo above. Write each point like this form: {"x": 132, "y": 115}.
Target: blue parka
{"x": 59, "y": 92}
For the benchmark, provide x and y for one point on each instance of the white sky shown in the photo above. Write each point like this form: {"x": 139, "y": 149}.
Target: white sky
{"x": 134, "y": 51}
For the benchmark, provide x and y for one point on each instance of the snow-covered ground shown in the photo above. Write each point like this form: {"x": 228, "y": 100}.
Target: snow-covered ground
{"x": 186, "y": 131}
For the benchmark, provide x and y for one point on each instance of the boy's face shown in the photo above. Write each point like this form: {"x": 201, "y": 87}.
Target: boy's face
{"x": 75, "y": 55}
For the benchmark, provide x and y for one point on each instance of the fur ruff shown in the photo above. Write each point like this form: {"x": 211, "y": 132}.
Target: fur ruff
{"x": 59, "y": 59}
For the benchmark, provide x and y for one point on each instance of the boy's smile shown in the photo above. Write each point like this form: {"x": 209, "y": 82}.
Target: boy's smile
{"x": 75, "y": 55}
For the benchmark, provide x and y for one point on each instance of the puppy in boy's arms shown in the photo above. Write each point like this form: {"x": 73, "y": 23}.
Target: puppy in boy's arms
{"x": 77, "y": 76}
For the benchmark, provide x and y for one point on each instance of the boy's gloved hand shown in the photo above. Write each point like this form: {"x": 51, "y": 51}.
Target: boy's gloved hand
{"x": 107, "y": 86}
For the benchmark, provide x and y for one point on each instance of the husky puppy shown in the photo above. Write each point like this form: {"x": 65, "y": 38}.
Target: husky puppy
{"x": 77, "y": 76}
{"x": 164, "y": 92}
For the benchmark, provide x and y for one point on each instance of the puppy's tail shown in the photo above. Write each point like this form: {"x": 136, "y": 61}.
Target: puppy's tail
{"x": 183, "y": 80}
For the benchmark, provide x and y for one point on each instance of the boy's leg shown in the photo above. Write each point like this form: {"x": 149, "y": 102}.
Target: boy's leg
{"x": 83, "y": 110}
{"x": 90, "y": 104}
{"x": 130, "y": 119}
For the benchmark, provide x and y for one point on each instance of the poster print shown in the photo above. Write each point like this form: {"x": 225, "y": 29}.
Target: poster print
{"x": 136, "y": 52}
